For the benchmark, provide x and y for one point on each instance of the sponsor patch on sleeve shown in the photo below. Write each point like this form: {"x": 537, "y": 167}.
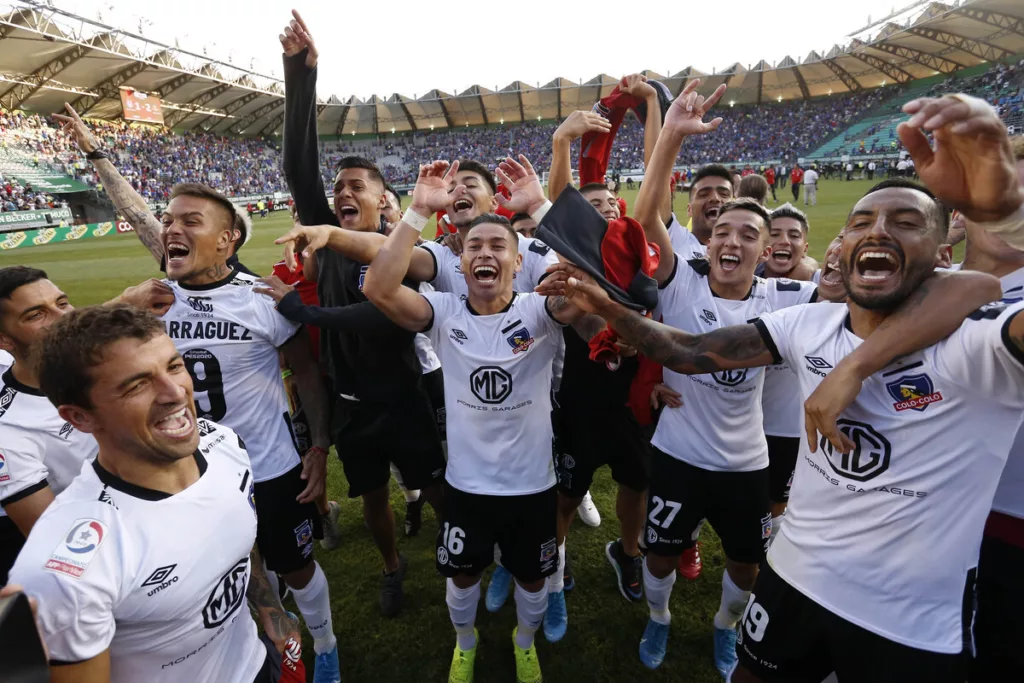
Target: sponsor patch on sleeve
{"x": 5, "y": 469}
{"x": 76, "y": 551}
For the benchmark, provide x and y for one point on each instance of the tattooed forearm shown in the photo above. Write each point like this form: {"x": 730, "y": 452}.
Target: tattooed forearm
{"x": 260, "y": 593}
{"x": 132, "y": 206}
{"x": 738, "y": 346}
{"x": 588, "y": 327}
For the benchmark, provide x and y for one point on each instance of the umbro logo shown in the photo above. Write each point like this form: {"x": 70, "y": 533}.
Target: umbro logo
{"x": 105, "y": 498}
{"x": 200, "y": 303}
{"x": 818, "y": 365}
{"x": 708, "y": 317}
{"x": 162, "y": 578}
{"x": 65, "y": 430}
{"x": 458, "y": 336}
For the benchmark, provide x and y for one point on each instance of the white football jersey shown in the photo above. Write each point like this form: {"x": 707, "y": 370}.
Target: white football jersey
{"x": 718, "y": 427}
{"x": 1009, "y": 498}
{"x": 537, "y": 256}
{"x": 816, "y": 277}
{"x": 497, "y": 392}
{"x": 781, "y": 403}
{"x": 6, "y": 360}
{"x": 424, "y": 349}
{"x": 37, "y": 446}
{"x": 228, "y": 336}
{"x": 887, "y": 535}
{"x": 158, "y": 579}
{"x": 683, "y": 241}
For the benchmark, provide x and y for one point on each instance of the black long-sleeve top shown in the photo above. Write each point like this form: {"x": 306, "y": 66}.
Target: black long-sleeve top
{"x": 381, "y": 366}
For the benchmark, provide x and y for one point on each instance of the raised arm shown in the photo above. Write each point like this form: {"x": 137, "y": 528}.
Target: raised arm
{"x": 358, "y": 246}
{"x": 638, "y": 86}
{"x": 684, "y": 118}
{"x": 301, "y": 142}
{"x": 573, "y": 128}
{"x": 128, "y": 202}
{"x": 383, "y": 283}
{"x": 728, "y": 348}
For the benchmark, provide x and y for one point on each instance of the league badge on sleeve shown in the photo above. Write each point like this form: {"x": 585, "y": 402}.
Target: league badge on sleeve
{"x": 76, "y": 551}
{"x": 5, "y": 471}
{"x": 913, "y": 392}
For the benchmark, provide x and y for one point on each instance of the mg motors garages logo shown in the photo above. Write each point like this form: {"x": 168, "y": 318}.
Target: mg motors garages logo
{"x": 869, "y": 457}
{"x": 491, "y": 384}
{"x": 227, "y": 596}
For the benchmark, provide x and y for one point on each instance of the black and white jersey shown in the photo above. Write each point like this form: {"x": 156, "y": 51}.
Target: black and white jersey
{"x": 158, "y": 579}
{"x": 887, "y": 535}
{"x": 718, "y": 427}
{"x": 1009, "y": 498}
{"x": 424, "y": 349}
{"x": 38, "y": 448}
{"x": 448, "y": 277}
{"x": 497, "y": 392}
{"x": 228, "y": 336}
{"x": 684, "y": 243}
{"x": 6, "y": 360}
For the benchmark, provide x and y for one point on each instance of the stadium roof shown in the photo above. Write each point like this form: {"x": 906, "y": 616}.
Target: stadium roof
{"x": 49, "y": 56}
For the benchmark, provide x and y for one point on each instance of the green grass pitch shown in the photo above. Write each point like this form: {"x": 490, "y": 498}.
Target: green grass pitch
{"x": 604, "y": 630}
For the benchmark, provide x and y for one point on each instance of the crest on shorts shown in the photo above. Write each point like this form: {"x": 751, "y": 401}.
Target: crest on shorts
{"x": 520, "y": 340}
{"x": 304, "y": 537}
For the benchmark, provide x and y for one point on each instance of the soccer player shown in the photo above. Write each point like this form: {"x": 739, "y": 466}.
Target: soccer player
{"x": 133, "y": 581}
{"x": 524, "y": 225}
{"x": 789, "y": 245}
{"x": 838, "y": 592}
{"x": 997, "y": 634}
{"x": 230, "y": 338}
{"x": 830, "y": 278}
{"x": 797, "y": 177}
{"x": 497, "y": 349}
{"x": 382, "y": 413}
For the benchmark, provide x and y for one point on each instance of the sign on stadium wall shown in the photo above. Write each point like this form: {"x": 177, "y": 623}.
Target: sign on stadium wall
{"x": 37, "y": 238}
{"x": 49, "y": 182}
{"x": 140, "y": 106}
{"x": 36, "y": 218}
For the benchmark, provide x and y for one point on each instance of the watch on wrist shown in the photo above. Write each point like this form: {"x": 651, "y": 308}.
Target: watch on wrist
{"x": 97, "y": 154}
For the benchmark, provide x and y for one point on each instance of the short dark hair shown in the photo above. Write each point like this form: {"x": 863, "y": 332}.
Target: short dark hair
{"x": 496, "y": 219}
{"x": 787, "y": 210}
{"x": 519, "y": 217}
{"x": 76, "y": 343}
{"x": 14, "y": 277}
{"x": 747, "y": 204}
{"x": 755, "y": 187}
{"x": 363, "y": 163}
{"x": 710, "y": 170}
{"x": 206, "y": 192}
{"x": 476, "y": 167}
{"x": 941, "y": 212}
{"x": 388, "y": 187}
{"x": 590, "y": 187}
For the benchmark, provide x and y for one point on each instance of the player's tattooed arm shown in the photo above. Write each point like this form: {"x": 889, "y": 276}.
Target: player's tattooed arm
{"x": 729, "y": 348}
{"x": 279, "y": 627}
{"x": 588, "y": 326}
{"x": 313, "y": 397}
{"x": 563, "y": 310}
{"x": 129, "y": 203}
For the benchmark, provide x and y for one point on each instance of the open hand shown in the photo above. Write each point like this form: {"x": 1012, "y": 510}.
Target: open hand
{"x": 637, "y": 86}
{"x": 522, "y": 182}
{"x": 686, "y": 115}
{"x": 433, "y": 191}
{"x": 663, "y": 395}
{"x": 570, "y": 281}
{"x": 273, "y": 287}
{"x": 296, "y": 38}
{"x": 972, "y": 167}
{"x": 152, "y": 295}
{"x": 74, "y": 127}
{"x": 314, "y": 473}
{"x": 580, "y": 122}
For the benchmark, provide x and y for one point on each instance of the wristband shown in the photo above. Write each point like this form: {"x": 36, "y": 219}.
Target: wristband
{"x": 539, "y": 214}
{"x": 1010, "y": 229}
{"x": 414, "y": 220}
{"x": 316, "y": 448}
{"x": 97, "y": 154}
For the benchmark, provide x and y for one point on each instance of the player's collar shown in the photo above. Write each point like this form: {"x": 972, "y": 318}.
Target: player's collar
{"x": 134, "y": 490}
{"x": 507, "y": 308}
{"x": 11, "y": 381}
{"x": 213, "y": 285}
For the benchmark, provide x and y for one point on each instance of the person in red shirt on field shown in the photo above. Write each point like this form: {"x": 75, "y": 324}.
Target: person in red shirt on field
{"x": 769, "y": 175}
{"x": 795, "y": 178}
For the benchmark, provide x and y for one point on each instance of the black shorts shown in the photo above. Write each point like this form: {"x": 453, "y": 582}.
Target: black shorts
{"x": 786, "y": 636}
{"x": 782, "y": 453}
{"x": 369, "y": 437}
{"x": 590, "y": 437}
{"x": 523, "y": 527}
{"x": 735, "y": 503}
{"x": 433, "y": 384}
{"x": 11, "y": 541}
{"x": 285, "y": 528}
{"x": 998, "y": 627}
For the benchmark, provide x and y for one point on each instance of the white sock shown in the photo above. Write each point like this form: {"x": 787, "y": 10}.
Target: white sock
{"x": 411, "y": 496}
{"x": 462, "y": 609}
{"x": 658, "y": 592}
{"x": 734, "y": 601}
{"x": 556, "y": 582}
{"x": 530, "y": 608}
{"x": 776, "y": 525}
{"x": 314, "y": 602}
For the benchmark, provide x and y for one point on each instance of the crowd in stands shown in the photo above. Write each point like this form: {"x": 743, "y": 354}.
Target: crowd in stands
{"x": 152, "y": 158}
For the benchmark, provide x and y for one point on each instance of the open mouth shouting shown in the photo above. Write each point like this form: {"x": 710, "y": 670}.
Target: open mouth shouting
{"x": 485, "y": 274}
{"x": 729, "y": 262}
{"x": 877, "y": 265}
{"x": 177, "y": 252}
{"x": 176, "y": 426}
{"x": 711, "y": 212}
{"x": 782, "y": 257}
{"x": 348, "y": 211}
{"x": 462, "y": 205}
{"x": 831, "y": 275}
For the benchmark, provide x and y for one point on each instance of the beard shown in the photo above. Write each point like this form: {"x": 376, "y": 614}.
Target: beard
{"x": 913, "y": 276}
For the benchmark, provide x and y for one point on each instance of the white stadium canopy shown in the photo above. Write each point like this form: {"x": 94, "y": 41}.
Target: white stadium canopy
{"x": 49, "y": 56}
